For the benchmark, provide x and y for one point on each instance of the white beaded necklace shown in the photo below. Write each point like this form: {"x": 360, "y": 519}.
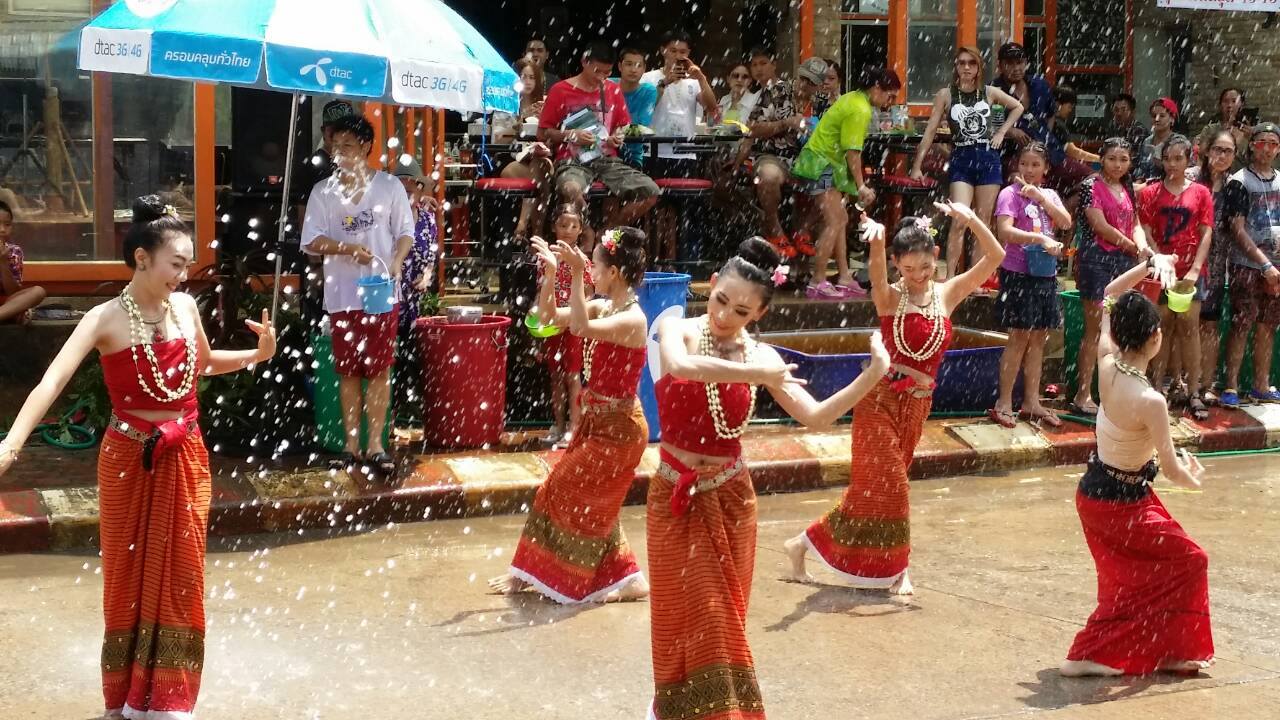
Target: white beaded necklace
{"x": 934, "y": 312}
{"x": 139, "y": 337}
{"x": 589, "y": 353}
{"x": 706, "y": 347}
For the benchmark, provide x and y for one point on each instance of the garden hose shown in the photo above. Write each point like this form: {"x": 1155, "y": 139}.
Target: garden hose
{"x": 65, "y": 434}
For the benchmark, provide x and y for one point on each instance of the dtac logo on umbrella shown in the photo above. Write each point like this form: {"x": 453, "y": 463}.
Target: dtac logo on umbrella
{"x": 323, "y": 72}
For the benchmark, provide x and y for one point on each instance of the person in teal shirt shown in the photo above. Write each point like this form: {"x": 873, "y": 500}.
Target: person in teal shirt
{"x": 832, "y": 163}
{"x": 641, "y": 99}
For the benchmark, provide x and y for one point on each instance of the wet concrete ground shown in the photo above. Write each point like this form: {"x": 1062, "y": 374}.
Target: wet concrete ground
{"x": 396, "y": 623}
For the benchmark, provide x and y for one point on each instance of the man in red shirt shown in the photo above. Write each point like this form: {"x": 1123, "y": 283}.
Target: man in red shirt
{"x": 583, "y": 119}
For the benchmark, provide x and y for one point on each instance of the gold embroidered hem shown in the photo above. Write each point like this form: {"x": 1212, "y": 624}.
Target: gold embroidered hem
{"x": 709, "y": 692}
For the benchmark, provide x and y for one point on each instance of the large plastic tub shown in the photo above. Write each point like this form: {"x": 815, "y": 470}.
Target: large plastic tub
{"x": 330, "y": 431}
{"x": 968, "y": 380}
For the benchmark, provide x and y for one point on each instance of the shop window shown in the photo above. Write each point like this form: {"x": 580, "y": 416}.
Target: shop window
{"x": 865, "y": 7}
{"x": 1091, "y": 32}
{"x": 931, "y": 41}
{"x": 866, "y": 44}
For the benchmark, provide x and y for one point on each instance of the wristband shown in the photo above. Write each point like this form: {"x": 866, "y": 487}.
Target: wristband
{"x": 1267, "y": 266}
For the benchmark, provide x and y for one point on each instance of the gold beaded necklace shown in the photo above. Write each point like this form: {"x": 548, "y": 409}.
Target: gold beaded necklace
{"x": 1126, "y": 369}
{"x": 589, "y": 352}
{"x": 706, "y": 346}
{"x": 932, "y": 311}
{"x": 138, "y": 337}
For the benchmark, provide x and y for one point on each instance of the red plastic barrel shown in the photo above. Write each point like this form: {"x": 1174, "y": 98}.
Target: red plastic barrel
{"x": 464, "y": 380}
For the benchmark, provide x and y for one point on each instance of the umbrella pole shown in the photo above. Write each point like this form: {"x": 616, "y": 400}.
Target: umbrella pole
{"x": 285, "y": 205}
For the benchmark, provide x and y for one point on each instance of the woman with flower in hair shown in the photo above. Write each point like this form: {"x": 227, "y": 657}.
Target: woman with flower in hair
{"x": 866, "y": 539}
{"x": 153, "y": 470}
{"x": 702, "y": 508}
{"x": 573, "y": 549}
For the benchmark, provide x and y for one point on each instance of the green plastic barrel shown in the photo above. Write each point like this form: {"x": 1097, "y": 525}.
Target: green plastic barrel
{"x": 329, "y": 431}
{"x": 1073, "y": 335}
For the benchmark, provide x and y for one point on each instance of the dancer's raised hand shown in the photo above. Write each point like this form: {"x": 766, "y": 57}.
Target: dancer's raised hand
{"x": 544, "y": 253}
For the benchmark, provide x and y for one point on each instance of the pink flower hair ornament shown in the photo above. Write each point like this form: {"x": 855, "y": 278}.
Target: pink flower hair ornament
{"x": 780, "y": 274}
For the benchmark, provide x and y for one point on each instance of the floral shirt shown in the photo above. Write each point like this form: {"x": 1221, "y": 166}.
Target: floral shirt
{"x": 564, "y": 283}
{"x": 777, "y": 102}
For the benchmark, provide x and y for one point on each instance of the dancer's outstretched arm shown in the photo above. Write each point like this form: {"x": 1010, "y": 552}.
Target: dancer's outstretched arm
{"x": 799, "y": 404}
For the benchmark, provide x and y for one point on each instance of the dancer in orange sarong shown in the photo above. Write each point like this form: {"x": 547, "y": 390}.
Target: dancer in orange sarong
{"x": 572, "y": 549}
{"x": 866, "y": 539}
{"x": 153, "y": 470}
{"x": 702, "y": 506}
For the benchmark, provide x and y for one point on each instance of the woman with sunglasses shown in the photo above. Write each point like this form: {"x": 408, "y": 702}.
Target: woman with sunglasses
{"x": 737, "y": 104}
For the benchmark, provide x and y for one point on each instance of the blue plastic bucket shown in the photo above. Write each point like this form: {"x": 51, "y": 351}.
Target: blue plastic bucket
{"x": 662, "y": 295}
{"x": 377, "y": 292}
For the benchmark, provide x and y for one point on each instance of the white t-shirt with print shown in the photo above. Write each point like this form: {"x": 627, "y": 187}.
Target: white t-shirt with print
{"x": 376, "y": 219}
{"x": 676, "y": 112}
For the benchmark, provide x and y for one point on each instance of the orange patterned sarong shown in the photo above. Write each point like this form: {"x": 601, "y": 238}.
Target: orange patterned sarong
{"x": 866, "y": 539}
{"x": 700, "y": 568}
{"x": 153, "y": 526}
{"x": 572, "y": 548}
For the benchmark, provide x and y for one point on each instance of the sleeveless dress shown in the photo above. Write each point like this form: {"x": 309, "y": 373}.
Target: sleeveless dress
{"x": 154, "y": 492}
{"x": 572, "y": 549}
{"x": 866, "y": 538}
{"x": 702, "y": 542}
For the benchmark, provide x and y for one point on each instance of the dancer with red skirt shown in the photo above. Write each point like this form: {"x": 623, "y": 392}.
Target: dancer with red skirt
{"x": 573, "y": 549}
{"x": 866, "y": 539}
{"x": 153, "y": 470}
{"x": 702, "y": 507}
{"x": 1153, "y": 581}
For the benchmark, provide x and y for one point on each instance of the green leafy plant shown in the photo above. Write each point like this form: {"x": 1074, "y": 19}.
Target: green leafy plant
{"x": 430, "y": 305}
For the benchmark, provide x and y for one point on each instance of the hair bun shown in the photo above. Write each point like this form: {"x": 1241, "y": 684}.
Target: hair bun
{"x": 148, "y": 208}
{"x": 757, "y": 251}
{"x": 632, "y": 238}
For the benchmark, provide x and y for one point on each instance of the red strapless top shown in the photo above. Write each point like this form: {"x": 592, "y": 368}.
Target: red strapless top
{"x": 915, "y": 333}
{"x": 122, "y": 377}
{"x": 686, "y": 420}
{"x": 615, "y": 369}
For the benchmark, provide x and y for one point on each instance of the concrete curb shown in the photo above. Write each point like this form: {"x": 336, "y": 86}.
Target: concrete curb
{"x": 464, "y": 485}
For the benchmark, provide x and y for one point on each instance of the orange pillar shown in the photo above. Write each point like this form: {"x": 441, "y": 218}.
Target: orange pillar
{"x": 967, "y": 22}
{"x": 898, "y": 18}
{"x": 806, "y": 29}
{"x": 1018, "y": 22}
{"x": 205, "y": 178}
{"x": 373, "y": 113}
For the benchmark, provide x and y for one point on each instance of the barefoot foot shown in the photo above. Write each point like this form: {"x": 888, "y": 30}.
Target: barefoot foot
{"x": 1087, "y": 668}
{"x": 507, "y": 585}
{"x": 637, "y": 589}
{"x": 1187, "y": 667}
{"x": 795, "y": 549}
{"x": 903, "y": 586}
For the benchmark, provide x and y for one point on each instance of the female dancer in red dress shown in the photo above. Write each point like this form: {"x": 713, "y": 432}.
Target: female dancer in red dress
{"x": 153, "y": 470}
{"x": 702, "y": 508}
{"x": 866, "y": 539}
{"x": 1153, "y": 580}
{"x": 572, "y": 549}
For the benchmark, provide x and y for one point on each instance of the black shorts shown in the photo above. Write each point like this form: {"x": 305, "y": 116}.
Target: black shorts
{"x": 1098, "y": 268}
{"x": 1026, "y": 302}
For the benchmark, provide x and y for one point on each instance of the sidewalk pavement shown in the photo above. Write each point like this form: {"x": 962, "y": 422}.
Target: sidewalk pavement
{"x": 53, "y": 505}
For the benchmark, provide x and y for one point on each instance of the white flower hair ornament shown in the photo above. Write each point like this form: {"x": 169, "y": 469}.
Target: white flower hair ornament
{"x": 610, "y": 240}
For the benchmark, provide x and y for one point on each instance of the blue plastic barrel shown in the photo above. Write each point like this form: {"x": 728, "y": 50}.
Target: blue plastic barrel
{"x": 662, "y": 295}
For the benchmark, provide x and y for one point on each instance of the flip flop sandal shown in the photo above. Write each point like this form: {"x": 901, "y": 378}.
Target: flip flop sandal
{"x": 383, "y": 463}
{"x": 1048, "y": 417}
{"x": 1005, "y": 420}
{"x": 1198, "y": 410}
{"x": 1082, "y": 411}
{"x": 345, "y": 462}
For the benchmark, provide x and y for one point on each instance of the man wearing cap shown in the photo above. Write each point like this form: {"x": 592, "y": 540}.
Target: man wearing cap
{"x": 780, "y": 124}
{"x": 1035, "y": 95}
{"x": 319, "y": 165}
{"x": 1255, "y": 281}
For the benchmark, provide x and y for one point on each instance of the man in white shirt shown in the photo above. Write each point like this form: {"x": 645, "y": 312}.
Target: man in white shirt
{"x": 361, "y": 223}
{"x": 682, "y": 89}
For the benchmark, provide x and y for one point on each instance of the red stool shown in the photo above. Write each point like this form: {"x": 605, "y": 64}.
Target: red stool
{"x": 681, "y": 191}
{"x": 899, "y": 193}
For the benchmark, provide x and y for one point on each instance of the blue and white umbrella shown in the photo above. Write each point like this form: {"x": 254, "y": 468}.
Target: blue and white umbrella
{"x": 408, "y": 52}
